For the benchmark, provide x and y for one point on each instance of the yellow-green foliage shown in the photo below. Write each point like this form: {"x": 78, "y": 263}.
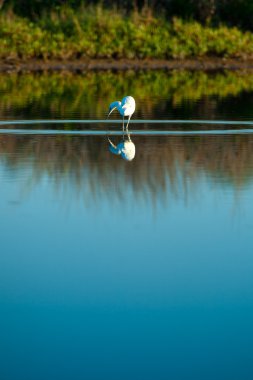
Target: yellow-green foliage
{"x": 94, "y": 32}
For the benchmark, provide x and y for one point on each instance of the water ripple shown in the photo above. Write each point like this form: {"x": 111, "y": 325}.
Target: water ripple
{"x": 133, "y": 121}
{"x": 132, "y": 132}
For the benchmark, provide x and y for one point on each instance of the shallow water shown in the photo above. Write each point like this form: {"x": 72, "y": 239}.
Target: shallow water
{"x": 126, "y": 270}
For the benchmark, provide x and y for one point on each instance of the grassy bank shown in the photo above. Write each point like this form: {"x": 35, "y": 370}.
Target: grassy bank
{"x": 95, "y": 32}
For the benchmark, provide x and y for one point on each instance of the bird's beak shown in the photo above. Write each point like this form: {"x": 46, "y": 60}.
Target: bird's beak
{"x": 113, "y": 148}
{"x": 110, "y": 111}
{"x": 111, "y": 143}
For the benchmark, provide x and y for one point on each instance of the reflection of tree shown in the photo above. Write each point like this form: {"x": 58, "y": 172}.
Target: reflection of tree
{"x": 85, "y": 165}
{"x": 66, "y": 95}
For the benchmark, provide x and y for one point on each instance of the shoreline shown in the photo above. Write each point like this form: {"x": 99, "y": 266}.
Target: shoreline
{"x": 79, "y": 66}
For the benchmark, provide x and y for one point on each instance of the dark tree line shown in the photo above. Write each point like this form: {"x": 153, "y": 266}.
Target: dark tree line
{"x": 231, "y": 12}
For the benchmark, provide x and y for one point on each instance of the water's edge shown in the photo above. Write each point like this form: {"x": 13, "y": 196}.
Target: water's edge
{"x": 133, "y": 121}
{"x": 151, "y": 64}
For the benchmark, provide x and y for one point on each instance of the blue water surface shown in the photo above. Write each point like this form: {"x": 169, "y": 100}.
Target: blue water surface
{"x": 112, "y": 274}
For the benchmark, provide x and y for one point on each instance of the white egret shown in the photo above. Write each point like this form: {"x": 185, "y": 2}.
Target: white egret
{"x": 126, "y": 108}
{"x": 125, "y": 148}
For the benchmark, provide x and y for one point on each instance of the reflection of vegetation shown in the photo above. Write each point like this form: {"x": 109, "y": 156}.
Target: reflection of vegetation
{"x": 88, "y": 95}
{"x": 97, "y": 32}
{"x": 85, "y": 164}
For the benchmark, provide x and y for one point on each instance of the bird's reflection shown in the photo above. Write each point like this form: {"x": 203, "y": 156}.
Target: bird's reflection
{"x": 125, "y": 147}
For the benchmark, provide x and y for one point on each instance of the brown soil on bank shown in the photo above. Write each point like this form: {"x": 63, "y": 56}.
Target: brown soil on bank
{"x": 13, "y": 65}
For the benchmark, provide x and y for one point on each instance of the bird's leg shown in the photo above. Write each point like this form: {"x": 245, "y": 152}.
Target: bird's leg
{"x": 128, "y": 123}
{"x": 123, "y": 128}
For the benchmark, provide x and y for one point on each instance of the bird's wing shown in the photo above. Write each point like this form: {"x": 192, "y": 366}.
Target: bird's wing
{"x": 128, "y": 150}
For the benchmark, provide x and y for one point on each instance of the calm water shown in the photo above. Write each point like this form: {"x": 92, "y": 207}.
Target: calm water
{"x": 126, "y": 270}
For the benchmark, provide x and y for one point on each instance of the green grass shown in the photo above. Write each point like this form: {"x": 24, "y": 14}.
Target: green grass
{"x": 94, "y": 32}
